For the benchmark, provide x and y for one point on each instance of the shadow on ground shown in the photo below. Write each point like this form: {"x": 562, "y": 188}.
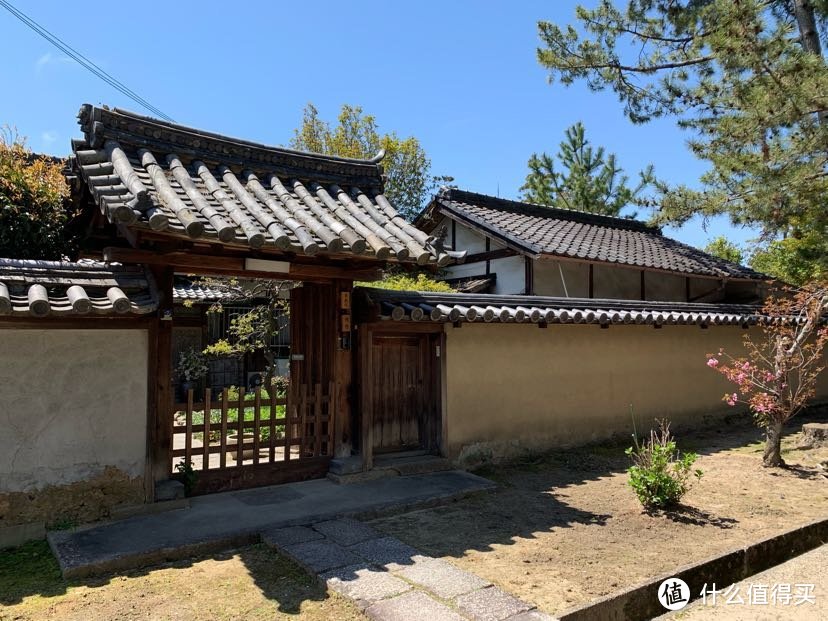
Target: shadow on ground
{"x": 531, "y": 499}
{"x": 231, "y": 591}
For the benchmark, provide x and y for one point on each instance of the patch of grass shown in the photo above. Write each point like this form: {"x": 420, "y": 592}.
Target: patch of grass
{"x": 29, "y": 570}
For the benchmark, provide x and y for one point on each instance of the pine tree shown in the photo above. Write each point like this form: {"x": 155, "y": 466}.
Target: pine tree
{"x": 748, "y": 79}
{"x": 586, "y": 178}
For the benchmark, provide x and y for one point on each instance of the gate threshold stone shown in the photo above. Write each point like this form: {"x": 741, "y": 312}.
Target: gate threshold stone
{"x": 221, "y": 521}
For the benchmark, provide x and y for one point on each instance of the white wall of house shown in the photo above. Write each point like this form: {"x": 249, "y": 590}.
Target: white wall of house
{"x": 511, "y": 275}
{"x": 74, "y": 402}
{"x": 609, "y": 281}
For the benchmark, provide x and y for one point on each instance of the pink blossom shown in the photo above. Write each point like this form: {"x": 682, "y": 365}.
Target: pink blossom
{"x": 712, "y": 362}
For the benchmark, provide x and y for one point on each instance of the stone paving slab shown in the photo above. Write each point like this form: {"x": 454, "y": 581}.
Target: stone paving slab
{"x": 411, "y": 606}
{"x": 490, "y": 604}
{"x": 346, "y": 532}
{"x": 364, "y": 585}
{"x": 290, "y": 535}
{"x": 319, "y": 556}
{"x": 442, "y": 578}
{"x": 388, "y": 552}
{"x": 221, "y": 521}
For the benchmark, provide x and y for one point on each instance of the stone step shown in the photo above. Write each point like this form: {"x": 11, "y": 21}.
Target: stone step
{"x": 417, "y": 464}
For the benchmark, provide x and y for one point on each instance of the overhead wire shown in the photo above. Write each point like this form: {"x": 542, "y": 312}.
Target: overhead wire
{"x": 83, "y": 60}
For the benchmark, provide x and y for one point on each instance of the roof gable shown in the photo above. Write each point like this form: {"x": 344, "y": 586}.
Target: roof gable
{"x": 537, "y": 230}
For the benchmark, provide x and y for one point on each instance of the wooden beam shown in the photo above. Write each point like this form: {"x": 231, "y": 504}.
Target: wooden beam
{"x": 591, "y": 281}
{"x": 366, "y": 396}
{"x": 234, "y": 266}
{"x": 343, "y": 378}
{"x": 643, "y": 288}
{"x": 489, "y": 255}
{"x": 141, "y": 322}
{"x": 529, "y": 275}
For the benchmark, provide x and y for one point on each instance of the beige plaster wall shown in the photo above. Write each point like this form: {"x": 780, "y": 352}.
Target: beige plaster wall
{"x": 73, "y": 405}
{"x": 516, "y": 388}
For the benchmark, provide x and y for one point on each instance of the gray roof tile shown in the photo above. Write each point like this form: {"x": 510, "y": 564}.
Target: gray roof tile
{"x": 546, "y": 230}
{"x": 187, "y": 183}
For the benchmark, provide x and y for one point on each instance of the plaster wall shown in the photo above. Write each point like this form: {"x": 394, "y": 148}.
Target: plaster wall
{"x": 616, "y": 282}
{"x": 547, "y": 275}
{"x": 511, "y": 275}
{"x": 73, "y": 405}
{"x": 514, "y": 388}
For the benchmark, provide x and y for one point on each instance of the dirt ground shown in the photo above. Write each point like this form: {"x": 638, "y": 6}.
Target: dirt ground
{"x": 252, "y": 583}
{"x": 565, "y": 529}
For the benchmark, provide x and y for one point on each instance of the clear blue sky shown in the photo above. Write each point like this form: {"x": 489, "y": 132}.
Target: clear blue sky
{"x": 461, "y": 76}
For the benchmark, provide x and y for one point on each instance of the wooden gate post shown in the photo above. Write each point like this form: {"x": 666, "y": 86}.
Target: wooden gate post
{"x": 160, "y": 378}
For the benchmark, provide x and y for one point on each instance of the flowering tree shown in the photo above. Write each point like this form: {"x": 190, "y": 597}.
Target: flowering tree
{"x": 777, "y": 374}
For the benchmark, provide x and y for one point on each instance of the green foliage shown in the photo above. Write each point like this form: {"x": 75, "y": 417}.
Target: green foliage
{"x": 586, "y": 178}
{"x": 407, "y": 167}
{"x": 749, "y": 80}
{"x": 33, "y": 213}
{"x": 660, "y": 475}
{"x": 408, "y": 282}
{"x": 794, "y": 260}
{"x": 255, "y": 329}
{"x": 725, "y": 249}
{"x": 187, "y": 475}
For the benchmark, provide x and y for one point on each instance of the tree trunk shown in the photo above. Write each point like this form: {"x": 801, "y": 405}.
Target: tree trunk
{"x": 809, "y": 35}
{"x": 772, "y": 457}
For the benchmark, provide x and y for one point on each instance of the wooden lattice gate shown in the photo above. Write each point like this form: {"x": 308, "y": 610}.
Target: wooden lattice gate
{"x": 233, "y": 439}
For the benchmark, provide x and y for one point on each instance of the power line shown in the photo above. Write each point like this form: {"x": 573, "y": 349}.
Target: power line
{"x": 83, "y": 60}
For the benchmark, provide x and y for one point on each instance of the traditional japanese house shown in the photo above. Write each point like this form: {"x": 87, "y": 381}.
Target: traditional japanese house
{"x": 567, "y": 322}
{"x": 522, "y": 249}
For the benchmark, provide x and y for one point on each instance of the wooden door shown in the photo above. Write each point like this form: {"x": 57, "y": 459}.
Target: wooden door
{"x": 402, "y": 390}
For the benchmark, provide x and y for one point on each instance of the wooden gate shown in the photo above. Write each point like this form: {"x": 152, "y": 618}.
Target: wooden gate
{"x": 233, "y": 440}
{"x": 404, "y": 391}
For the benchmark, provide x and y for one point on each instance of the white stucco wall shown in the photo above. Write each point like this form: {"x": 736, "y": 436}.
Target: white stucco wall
{"x": 71, "y": 403}
{"x": 511, "y": 275}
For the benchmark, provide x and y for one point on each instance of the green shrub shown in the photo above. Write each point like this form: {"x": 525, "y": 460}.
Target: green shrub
{"x": 660, "y": 474}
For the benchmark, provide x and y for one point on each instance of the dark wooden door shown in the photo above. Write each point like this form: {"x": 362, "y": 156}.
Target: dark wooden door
{"x": 403, "y": 391}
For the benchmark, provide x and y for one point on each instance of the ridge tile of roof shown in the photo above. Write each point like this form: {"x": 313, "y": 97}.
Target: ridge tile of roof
{"x": 439, "y": 307}
{"x": 539, "y": 230}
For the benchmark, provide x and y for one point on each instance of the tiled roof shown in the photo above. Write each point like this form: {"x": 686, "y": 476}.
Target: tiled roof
{"x": 176, "y": 181}
{"x": 184, "y": 290}
{"x": 57, "y": 288}
{"x": 472, "y": 284}
{"x": 486, "y": 308}
{"x": 538, "y": 230}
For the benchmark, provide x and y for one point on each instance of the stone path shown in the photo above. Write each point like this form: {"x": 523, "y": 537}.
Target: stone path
{"x": 222, "y": 521}
{"x": 391, "y": 581}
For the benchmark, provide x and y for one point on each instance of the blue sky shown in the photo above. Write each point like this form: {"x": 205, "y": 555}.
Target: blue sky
{"x": 461, "y": 76}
